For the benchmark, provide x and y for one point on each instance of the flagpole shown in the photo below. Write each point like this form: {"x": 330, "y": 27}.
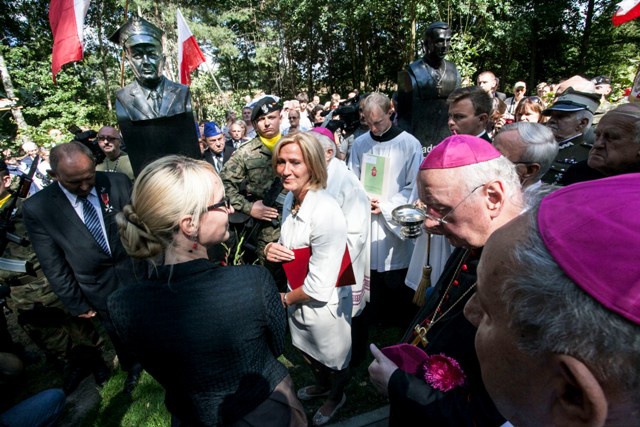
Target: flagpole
{"x": 126, "y": 12}
{"x": 224, "y": 98}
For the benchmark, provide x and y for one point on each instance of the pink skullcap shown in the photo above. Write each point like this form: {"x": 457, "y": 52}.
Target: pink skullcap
{"x": 459, "y": 150}
{"x": 323, "y": 131}
{"x": 592, "y": 230}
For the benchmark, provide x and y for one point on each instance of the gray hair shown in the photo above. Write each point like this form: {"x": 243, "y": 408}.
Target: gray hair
{"x": 541, "y": 145}
{"x": 551, "y": 314}
{"x": 327, "y": 143}
{"x": 500, "y": 168}
{"x": 585, "y": 114}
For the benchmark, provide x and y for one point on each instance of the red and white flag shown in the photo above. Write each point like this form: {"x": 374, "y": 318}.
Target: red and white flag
{"x": 627, "y": 11}
{"x": 66, "y": 18}
{"x": 189, "y": 54}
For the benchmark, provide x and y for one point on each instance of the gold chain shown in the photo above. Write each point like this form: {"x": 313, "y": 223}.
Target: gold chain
{"x": 421, "y": 331}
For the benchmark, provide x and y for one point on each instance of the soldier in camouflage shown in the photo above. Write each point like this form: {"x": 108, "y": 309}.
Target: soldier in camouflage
{"x": 40, "y": 312}
{"x": 248, "y": 174}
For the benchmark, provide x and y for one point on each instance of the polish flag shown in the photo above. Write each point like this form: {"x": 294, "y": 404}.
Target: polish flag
{"x": 627, "y": 11}
{"x": 66, "y": 18}
{"x": 189, "y": 54}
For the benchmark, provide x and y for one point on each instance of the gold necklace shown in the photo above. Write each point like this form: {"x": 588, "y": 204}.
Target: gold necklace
{"x": 421, "y": 331}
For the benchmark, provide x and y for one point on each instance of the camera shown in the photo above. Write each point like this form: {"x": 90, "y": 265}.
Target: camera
{"x": 88, "y": 138}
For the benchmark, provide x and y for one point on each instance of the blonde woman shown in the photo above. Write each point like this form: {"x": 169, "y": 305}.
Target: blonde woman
{"x": 209, "y": 335}
{"x": 319, "y": 313}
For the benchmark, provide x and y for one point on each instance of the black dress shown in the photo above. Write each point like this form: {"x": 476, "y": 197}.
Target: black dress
{"x": 209, "y": 335}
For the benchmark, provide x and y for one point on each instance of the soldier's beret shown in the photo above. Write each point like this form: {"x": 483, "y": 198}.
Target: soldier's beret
{"x": 263, "y": 107}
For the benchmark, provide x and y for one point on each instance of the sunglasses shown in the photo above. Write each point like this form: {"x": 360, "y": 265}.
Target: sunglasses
{"x": 224, "y": 202}
{"x": 107, "y": 138}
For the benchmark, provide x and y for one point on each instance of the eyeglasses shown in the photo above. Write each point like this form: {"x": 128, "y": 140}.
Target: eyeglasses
{"x": 224, "y": 202}
{"x": 108, "y": 138}
{"x": 443, "y": 219}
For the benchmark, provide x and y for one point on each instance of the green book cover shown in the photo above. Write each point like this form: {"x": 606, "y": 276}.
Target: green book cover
{"x": 373, "y": 173}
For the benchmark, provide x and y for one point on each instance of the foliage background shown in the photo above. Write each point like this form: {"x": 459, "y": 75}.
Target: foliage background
{"x": 288, "y": 46}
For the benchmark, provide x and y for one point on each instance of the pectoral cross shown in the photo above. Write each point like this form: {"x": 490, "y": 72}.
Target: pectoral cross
{"x": 421, "y": 335}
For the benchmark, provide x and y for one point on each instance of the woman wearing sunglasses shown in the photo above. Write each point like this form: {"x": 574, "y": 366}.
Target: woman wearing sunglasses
{"x": 209, "y": 335}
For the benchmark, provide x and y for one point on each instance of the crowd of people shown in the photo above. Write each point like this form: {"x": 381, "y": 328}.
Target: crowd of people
{"x": 532, "y": 317}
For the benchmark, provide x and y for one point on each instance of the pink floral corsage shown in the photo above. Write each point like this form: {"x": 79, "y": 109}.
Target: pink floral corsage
{"x": 442, "y": 372}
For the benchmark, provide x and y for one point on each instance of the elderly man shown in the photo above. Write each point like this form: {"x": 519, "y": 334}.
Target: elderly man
{"x": 529, "y": 146}
{"x": 470, "y": 190}
{"x": 116, "y": 160}
{"x": 561, "y": 348}
{"x": 469, "y": 111}
{"x": 519, "y": 89}
{"x": 218, "y": 149}
{"x": 248, "y": 176}
{"x": 489, "y": 83}
{"x": 570, "y": 117}
{"x": 616, "y": 149}
{"x": 386, "y": 159}
{"x": 72, "y": 227}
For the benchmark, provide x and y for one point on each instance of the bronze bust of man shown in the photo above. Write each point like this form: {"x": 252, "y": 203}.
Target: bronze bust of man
{"x": 151, "y": 95}
{"x": 424, "y": 86}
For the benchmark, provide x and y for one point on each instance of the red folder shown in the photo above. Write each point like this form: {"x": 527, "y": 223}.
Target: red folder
{"x": 297, "y": 269}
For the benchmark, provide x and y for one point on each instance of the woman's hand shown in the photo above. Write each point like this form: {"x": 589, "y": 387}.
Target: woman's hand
{"x": 275, "y": 252}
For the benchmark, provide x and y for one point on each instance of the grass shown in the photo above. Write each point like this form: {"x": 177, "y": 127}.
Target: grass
{"x": 147, "y": 406}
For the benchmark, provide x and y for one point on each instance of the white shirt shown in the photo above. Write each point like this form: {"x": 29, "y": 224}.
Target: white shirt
{"x": 77, "y": 206}
{"x": 389, "y": 251}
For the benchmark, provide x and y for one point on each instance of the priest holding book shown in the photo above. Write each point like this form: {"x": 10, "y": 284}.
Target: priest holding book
{"x": 319, "y": 312}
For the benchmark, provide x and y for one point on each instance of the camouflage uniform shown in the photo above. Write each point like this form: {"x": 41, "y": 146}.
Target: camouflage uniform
{"x": 40, "y": 312}
{"x": 250, "y": 167}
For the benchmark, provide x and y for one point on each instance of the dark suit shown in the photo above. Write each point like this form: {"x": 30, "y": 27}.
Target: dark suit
{"x": 79, "y": 271}
{"x": 132, "y": 103}
{"x": 208, "y": 155}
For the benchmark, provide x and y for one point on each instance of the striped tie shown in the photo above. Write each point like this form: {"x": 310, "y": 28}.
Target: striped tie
{"x": 92, "y": 222}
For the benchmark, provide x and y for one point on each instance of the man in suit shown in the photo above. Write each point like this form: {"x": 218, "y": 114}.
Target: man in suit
{"x": 72, "y": 227}
{"x": 151, "y": 95}
{"x": 469, "y": 111}
{"x": 489, "y": 83}
{"x": 218, "y": 149}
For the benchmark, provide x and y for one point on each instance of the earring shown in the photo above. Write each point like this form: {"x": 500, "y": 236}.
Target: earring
{"x": 195, "y": 243}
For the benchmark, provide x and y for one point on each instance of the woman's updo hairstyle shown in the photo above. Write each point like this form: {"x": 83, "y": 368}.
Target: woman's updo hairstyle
{"x": 165, "y": 191}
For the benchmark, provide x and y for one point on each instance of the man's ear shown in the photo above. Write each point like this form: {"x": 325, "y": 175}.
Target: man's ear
{"x": 484, "y": 118}
{"x": 530, "y": 170}
{"x": 582, "y": 125}
{"x": 495, "y": 196}
{"x": 579, "y": 399}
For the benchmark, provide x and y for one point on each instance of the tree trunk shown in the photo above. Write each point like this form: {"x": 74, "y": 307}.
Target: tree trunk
{"x": 8, "y": 89}
{"x": 103, "y": 60}
{"x": 586, "y": 35}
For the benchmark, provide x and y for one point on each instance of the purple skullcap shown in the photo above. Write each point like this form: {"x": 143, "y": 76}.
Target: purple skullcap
{"x": 323, "y": 131}
{"x": 592, "y": 231}
{"x": 211, "y": 129}
{"x": 459, "y": 150}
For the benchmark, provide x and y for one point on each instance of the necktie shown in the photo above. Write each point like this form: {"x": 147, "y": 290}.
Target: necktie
{"x": 218, "y": 162}
{"x": 155, "y": 96}
{"x": 92, "y": 221}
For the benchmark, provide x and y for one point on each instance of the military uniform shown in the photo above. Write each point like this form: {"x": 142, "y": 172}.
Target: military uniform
{"x": 40, "y": 312}
{"x": 247, "y": 177}
{"x": 571, "y": 152}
